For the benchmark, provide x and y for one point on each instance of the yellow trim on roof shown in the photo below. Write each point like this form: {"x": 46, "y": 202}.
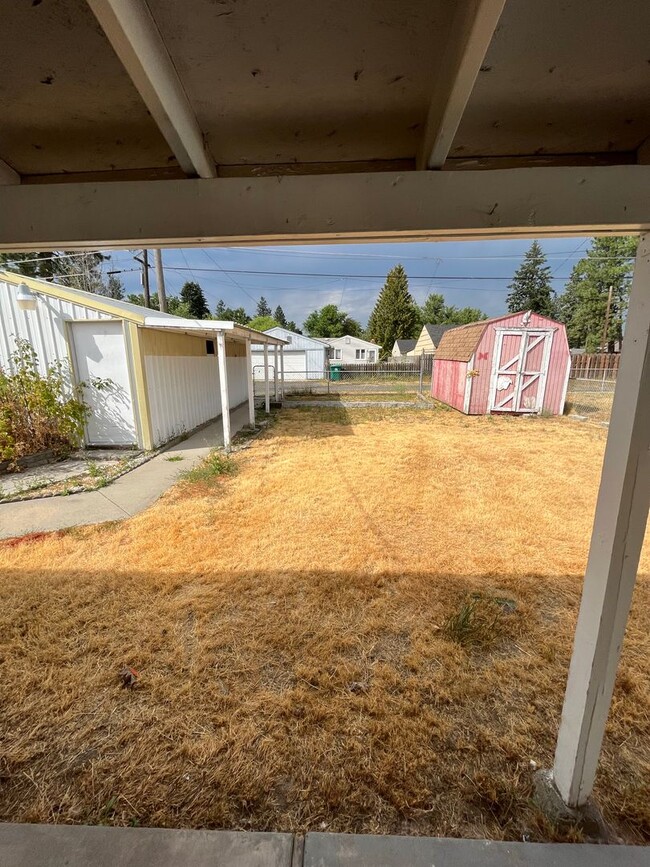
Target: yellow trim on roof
{"x": 74, "y": 296}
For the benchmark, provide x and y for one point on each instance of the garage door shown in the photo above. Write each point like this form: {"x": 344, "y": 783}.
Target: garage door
{"x": 100, "y": 353}
{"x": 295, "y": 365}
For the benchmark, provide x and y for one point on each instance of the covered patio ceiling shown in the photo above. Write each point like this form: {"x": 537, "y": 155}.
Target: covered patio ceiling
{"x": 114, "y": 89}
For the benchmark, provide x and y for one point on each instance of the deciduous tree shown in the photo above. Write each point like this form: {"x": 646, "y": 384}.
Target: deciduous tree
{"x": 329, "y": 321}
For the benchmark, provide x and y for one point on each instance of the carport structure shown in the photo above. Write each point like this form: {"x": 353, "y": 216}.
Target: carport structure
{"x": 164, "y": 124}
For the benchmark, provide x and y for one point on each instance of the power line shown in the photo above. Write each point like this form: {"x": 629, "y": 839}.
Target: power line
{"x": 353, "y": 276}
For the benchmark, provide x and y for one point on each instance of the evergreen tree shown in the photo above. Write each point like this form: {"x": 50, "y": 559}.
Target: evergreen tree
{"x": 583, "y": 306}
{"x": 230, "y": 314}
{"x": 329, "y": 321}
{"x": 174, "y": 306}
{"x": 192, "y": 295}
{"x": 262, "y": 308}
{"x": 395, "y": 316}
{"x": 114, "y": 288}
{"x": 531, "y": 285}
{"x": 291, "y": 325}
{"x": 279, "y": 316}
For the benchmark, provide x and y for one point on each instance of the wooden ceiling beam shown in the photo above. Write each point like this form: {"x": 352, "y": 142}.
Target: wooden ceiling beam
{"x": 472, "y": 30}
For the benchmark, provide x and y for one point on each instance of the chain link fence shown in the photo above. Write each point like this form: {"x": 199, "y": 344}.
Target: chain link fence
{"x": 591, "y": 397}
{"x": 348, "y": 381}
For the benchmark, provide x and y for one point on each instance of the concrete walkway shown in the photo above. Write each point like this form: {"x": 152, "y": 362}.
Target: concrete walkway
{"x": 126, "y": 496}
{"x": 84, "y": 846}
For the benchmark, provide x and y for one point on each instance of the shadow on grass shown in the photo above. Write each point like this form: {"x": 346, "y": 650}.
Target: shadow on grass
{"x": 295, "y": 700}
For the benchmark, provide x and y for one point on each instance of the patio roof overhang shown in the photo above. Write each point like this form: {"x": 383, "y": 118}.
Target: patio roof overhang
{"x": 162, "y": 123}
{"x": 209, "y": 327}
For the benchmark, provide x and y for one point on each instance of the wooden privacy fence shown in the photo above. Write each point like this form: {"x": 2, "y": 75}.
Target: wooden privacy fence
{"x": 595, "y": 365}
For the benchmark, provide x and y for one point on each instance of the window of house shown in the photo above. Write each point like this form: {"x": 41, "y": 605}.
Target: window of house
{"x": 360, "y": 353}
{"x": 371, "y": 355}
{"x": 289, "y": 338}
{"x": 209, "y": 347}
{"x": 337, "y": 353}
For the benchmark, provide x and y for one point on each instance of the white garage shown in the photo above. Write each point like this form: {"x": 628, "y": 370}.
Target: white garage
{"x": 163, "y": 376}
{"x": 304, "y": 357}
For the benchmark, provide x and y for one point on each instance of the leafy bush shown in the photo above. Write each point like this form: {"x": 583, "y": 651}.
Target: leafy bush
{"x": 38, "y": 412}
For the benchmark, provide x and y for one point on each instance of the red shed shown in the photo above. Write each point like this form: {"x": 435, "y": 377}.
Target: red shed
{"x": 518, "y": 363}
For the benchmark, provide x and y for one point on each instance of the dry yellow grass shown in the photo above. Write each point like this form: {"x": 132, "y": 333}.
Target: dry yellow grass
{"x": 286, "y": 625}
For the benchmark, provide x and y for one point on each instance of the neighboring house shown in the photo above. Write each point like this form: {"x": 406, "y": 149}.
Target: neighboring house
{"x": 304, "y": 357}
{"x": 352, "y": 350}
{"x": 429, "y": 338}
{"x": 517, "y": 363}
{"x": 402, "y": 348}
{"x": 164, "y": 370}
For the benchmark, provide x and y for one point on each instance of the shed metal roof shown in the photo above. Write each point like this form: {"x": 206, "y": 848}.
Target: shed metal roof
{"x": 142, "y": 316}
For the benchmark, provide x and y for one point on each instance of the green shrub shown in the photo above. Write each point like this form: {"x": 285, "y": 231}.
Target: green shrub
{"x": 38, "y": 412}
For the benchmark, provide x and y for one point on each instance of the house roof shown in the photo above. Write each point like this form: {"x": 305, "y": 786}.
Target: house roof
{"x": 142, "y": 316}
{"x": 435, "y": 332}
{"x": 336, "y": 341}
{"x": 405, "y": 345}
{"x": 302, "y": 339}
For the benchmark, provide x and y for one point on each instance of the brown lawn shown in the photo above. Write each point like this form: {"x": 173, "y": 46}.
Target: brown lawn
{"x": 289, "y": 625}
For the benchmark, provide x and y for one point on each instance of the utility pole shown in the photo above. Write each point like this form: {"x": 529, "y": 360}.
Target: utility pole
{"x": 606, "y": 329}
{"x": 145, "y": 277}
{"x": 160, "y": 280}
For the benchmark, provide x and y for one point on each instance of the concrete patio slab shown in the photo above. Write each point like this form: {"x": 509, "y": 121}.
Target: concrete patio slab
{"x": 128, "y": 495}
{"x": 352, "y": 850}
{"x": 85, "y": 846}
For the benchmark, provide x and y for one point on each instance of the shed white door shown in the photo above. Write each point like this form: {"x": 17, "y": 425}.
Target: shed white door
{"x": 519, "y": 370}
{"x": 100, "y": 353}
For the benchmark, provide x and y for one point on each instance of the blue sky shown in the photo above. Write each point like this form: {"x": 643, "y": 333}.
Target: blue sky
{"x": 302, "y": 278}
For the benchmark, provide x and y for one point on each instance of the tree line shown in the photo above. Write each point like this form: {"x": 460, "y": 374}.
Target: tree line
{"x": 593, "y": 305}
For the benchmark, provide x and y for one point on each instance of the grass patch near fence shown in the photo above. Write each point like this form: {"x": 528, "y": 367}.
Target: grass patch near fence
{"x": 366, "y": 629}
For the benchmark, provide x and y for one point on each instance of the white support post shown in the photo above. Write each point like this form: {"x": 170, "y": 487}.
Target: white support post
{"x": 267, "y": 394}
{"x": 276, "y": 382}
{"x": 617, "y": 538}
{"x": 251, "y": 385}
{"x": 282, "y": 372}
{"x": 223, "y": 385}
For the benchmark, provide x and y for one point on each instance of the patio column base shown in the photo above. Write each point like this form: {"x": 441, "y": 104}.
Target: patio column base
{"x": 587, "y": 818}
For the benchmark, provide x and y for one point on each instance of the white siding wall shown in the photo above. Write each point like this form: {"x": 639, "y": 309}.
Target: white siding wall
{"x": 237, "y": 381}
{"x": 43, "y": 327}
{"x": 183, "y": 393}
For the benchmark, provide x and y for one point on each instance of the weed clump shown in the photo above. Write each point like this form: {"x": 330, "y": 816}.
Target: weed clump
{"x": 209, "y": 470}
{"x": 479, "y": 622}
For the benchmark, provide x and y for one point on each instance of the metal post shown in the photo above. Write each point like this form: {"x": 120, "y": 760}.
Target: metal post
{"x": 223, "y": 385}
{"x": 282, "y": 371}
{"x": 251, "y": 385}
{"x": 267, "y": 395}
{"x": 616, "y": 541}
{"x": 275, "y": 374}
